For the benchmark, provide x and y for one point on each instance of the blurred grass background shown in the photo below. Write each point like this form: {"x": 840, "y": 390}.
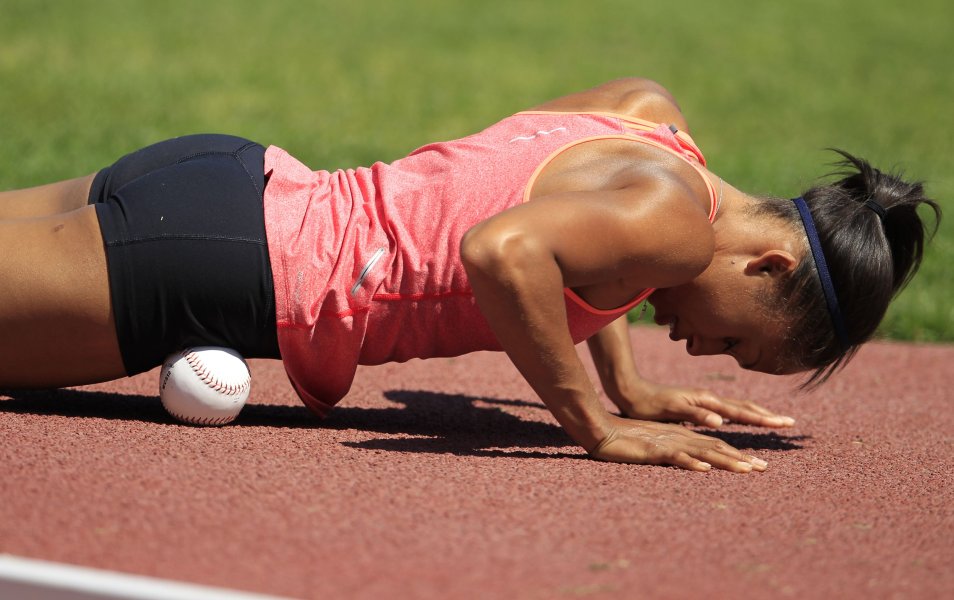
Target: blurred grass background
{"x": 765, "y": 86}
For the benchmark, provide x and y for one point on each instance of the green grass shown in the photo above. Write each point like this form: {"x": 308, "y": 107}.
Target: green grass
{"x": 765, "y": 86}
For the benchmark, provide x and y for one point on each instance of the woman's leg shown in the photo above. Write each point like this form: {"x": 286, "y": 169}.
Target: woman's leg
{"x": 46, "y": 200}
{"x": 56, "y": 319}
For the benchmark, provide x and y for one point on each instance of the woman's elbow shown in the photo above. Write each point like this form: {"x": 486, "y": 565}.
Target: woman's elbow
{"x": 498, "y": 253}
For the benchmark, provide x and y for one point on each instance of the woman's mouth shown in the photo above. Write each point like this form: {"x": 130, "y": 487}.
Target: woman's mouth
{"x": 672, "y": 322}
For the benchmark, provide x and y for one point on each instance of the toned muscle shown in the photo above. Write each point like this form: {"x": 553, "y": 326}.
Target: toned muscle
{"x": 612, "y": 243}
{"x": 661, "y": 200}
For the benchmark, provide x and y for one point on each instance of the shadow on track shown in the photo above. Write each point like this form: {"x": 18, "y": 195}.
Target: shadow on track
{"x": 426, "y": 422}
{"x": 458, "y": 424}
{"x": 473, "y": 426}
{"x": 84, "y": 404}
{"x": 758, "y": 440}
{"x": 135, "y": 407}
{"x": 435, "y": 422}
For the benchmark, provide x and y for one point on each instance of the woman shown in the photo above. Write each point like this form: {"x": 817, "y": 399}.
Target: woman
{"x": 536, "y": 233}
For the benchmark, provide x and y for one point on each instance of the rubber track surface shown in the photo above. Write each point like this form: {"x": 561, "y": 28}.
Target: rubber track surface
{"x": 448, "y": 479}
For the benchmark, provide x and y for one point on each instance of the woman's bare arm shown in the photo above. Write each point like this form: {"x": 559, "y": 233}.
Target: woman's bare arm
{"x": 639, "y": 398}
{"x": 520, "y": 261}
{"x": 612, "y": 355}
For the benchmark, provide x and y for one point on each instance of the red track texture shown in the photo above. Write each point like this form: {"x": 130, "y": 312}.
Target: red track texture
{"x": 449, "y": 479}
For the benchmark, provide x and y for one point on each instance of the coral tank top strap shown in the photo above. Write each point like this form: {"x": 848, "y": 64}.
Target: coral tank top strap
{"x": 665, "y": 137}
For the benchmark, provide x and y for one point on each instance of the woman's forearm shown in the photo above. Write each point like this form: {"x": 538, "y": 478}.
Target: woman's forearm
{"x": 612, "y": 355}
{"x": 519, "y": 289}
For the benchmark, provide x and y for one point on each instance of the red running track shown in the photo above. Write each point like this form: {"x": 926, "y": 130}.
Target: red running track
{"x": 448, "y": 479}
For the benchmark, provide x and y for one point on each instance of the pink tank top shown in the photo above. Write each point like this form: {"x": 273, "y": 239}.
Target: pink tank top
{"x": 366, "y": 261}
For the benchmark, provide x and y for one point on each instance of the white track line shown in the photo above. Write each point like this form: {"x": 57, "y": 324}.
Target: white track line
{"x": 29, "y": 579}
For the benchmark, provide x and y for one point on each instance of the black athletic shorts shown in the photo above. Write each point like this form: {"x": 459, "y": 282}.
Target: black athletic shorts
{"x": 184, "y": 230}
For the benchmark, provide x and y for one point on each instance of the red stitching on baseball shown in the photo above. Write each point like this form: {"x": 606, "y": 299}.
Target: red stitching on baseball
{"x": 202, "y": 420}
{"x": 208, "y": 377}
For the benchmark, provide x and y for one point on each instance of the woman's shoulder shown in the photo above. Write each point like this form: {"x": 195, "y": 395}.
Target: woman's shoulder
{"x": 632, "y": 96}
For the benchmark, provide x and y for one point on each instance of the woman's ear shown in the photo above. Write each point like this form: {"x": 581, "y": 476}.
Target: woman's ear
{"x": 772, "y": 262}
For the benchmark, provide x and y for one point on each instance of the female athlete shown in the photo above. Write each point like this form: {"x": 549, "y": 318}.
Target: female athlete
{"x": 539, "y": 232}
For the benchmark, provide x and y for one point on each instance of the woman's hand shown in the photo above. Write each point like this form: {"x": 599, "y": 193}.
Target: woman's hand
{"x": 643, "y": 442}
{"x": 640, "y": 399}
{"x": 656, "y": 402}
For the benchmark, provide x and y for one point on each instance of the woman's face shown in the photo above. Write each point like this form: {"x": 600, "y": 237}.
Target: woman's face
{"x": 725, "y": 311}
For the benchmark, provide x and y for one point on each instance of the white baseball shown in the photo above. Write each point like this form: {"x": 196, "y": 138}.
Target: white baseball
{"x": 205, "y": 385}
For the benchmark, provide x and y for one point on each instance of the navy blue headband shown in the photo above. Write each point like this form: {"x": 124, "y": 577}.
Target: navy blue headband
{"x": 822, "y": 267}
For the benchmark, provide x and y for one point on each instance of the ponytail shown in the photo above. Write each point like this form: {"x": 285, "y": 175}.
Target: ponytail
{"x": 904, "y": 230}
{"x": 867, "y": 227}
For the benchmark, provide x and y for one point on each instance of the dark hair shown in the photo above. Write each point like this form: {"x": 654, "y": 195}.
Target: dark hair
{"x": 870, "y": 261}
